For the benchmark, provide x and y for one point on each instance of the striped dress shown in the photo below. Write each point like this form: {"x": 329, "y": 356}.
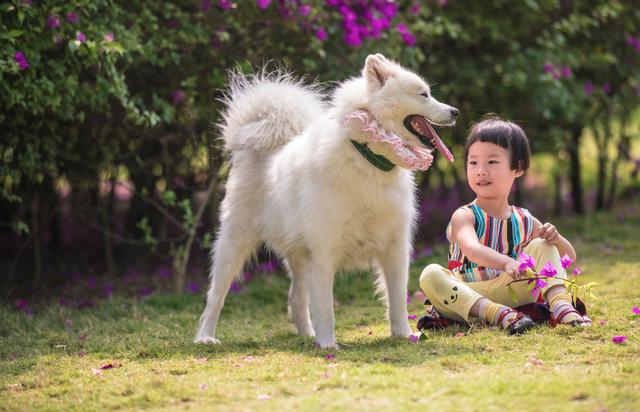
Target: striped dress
{"x": 507, "y": 236}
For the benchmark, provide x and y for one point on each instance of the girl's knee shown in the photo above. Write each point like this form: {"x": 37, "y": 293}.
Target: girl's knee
{"x": 431, "y": 275}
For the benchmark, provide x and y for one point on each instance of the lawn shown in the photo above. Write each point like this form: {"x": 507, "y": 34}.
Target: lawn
{"x": 51, "y": 360}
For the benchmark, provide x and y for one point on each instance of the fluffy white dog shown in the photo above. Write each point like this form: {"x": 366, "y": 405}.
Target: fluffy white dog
{"x": 318, "y": 183}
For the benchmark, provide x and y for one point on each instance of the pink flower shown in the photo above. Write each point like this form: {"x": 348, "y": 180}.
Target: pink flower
{"x": 177, "y": 96}
{"x": 53, "y": 21}
{"x": 321, "y": 34}
{"x": 21, "y": 60}
{"x": 606, "y": 88}
{"x": 81, "y": 37}
{"x": 204, "y": 386}
{"x": 402, "y": 28}
{"x": 263, "y": 4}
{"x": 548, "y": 68}
{"x": 304, "y": 10}
{"x": 109, "y": 37}
{"x": 415, "y": 9}
{"x": 224, "y": 4}
{"x": 72, "y": 17}
{"x": 412, "y": 317}
{"x": 576, "y": 271}
{"x": 460, "y": 334}
{"x": 566, "y": 261}
{"x": 409, "y": 39}
{"x": 526, "y": 262}
{"x": 548, "y": 270}
{"x": 565, "y": 72}
{"x": 330, "y": 356}
{"x": 263, "y": 397}
{"x": 636, "y": 310}
{"x": 588, "y": 88}
{"x": 602, "y": 322}
{"x": 619, "y": 339}
{"x": 414, "y": 338}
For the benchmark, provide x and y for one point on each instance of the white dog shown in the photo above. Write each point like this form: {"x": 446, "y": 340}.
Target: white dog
{"x": 318, "y": 184}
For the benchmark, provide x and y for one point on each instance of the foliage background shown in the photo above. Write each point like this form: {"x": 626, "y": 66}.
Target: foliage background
{"x": 109, "y": 158}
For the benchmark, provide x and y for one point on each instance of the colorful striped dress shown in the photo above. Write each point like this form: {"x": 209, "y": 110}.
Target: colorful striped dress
{"x": 507, "y": 236}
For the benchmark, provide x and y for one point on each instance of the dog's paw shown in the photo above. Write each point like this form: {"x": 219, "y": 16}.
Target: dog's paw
{"x": 329, "y": 344}
{"x": 206, "y": 340}
{"x": 404, "y": 332}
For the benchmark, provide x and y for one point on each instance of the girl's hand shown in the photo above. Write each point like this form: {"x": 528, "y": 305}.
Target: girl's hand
{"x": 549, "y": 233}
{"x": 511, "y": 269}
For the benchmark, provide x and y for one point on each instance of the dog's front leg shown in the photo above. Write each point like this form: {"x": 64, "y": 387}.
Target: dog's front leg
{"x": 320, "y": 280}
{"x": 394, "y": 264}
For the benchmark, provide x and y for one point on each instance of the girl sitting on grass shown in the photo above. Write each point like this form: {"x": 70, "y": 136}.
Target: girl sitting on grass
{"x": 487, "y": 235}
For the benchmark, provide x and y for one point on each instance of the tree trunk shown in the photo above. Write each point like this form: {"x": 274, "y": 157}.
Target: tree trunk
{"x": 557, "y": 198}
{"x": 106, "y": 207}
{"x": 36, "y": 223}
{"x": 603, "y": 158}
{"x": 573, "y": 148}
{"x": 623, "y": 154}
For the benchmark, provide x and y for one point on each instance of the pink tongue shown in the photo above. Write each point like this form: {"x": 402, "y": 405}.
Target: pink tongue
{"x": 439, "y": 144}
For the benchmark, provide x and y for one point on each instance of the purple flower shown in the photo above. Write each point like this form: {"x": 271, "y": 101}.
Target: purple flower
{"x": 565, "y": 72}
{"x": 330, "y": 356}
{"x": 526, "y": 262}
{"x": 409, "y": 39}
{"x": 263, "y": 4}
{"x": 205, "y": 6}
{"x": 268, "y": 267}
{"x": 412, "y": 317}
{"x": 565, "y": 261}
{"x": 321, "y": 34}
{"x": 146, "y": 291}
{"x": 235, "y": 287}
{"x": 194, "y": 288}
{"x": 548, "y": 270}
{"x": 224, "y": 4}
{"x": 304, "y": 10}
{"x": 388, "y": 9}
{"x": 636, "y": 310}
{"x": 109, "y": 37}
{"x": 414, "y": 338}
{"x": 81, "y": 37}
{"x": 415, "y": 9}
{"x": 72, "y": 17}
{"x": 21, "y": 60}
{"x": 402, "y": 28}
{"x": 619, "y": 339}
{"x": 163, "y": 272}
{"x": 53, "y": 21}
{"x": 177, "y": 96}
{"x": 548, "y": 68}
{"x": 606, "y": 88}
{"x": 576, "y": 271}
{"x": 588, "y": 88}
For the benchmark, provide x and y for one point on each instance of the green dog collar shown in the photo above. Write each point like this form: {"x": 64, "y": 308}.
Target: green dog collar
{"x": 377, "y": 160}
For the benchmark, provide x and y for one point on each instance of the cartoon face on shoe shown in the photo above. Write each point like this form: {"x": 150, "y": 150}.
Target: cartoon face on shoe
{"x": 454, "y": 296}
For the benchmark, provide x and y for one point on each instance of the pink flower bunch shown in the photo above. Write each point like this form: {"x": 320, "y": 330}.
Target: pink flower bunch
{"x": 557, "y": 71}
{"x": 365, "y": 20}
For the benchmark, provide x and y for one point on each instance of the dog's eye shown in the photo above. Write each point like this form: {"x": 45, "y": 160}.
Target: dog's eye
{"x": 455, "y": 288}
{"x": 446, "y": 303}
{"x": 425, "y": 95}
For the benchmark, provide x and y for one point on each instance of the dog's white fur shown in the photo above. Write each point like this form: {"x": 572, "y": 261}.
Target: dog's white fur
{"x": 297, "y": 184}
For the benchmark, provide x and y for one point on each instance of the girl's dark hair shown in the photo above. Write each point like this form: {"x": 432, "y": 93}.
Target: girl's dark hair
{"x": 505, "y": 134}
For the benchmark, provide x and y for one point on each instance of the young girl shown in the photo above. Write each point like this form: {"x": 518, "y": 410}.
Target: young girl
{"x": 487, "y": 236}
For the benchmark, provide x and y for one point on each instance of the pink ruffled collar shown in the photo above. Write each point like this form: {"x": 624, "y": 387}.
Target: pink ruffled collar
{"x": 412, "y": 157}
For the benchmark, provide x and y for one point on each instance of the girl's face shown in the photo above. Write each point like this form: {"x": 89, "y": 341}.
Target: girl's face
{"x": 489, "y": 171}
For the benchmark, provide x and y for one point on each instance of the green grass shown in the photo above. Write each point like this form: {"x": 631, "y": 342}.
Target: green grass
{"x": 40, "y": 365}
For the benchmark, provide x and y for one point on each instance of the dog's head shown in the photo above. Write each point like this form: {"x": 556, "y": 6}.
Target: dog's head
{"x": 401, "y": 102}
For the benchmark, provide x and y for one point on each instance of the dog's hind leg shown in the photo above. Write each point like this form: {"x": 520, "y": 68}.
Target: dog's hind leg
{"x": 394, "y": 265}
{"x": 319, "y": 278}
{"x": 299, "y": 296}
{"x": 235, "y": 243}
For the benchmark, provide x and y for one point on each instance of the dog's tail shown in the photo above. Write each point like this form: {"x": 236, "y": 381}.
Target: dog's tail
{"x": 267, "y": 110}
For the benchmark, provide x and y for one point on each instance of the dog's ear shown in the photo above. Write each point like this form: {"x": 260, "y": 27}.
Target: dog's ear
{"x": 376, "y": 71}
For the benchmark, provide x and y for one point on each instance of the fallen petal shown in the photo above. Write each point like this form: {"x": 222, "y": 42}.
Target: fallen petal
{"x": 619, "y": 339}
{"x": 263, "y": 397}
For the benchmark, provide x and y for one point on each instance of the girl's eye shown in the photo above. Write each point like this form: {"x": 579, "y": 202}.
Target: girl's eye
{"x": 424, "y": 94}
{"x": 493, "y": 162}
{"x": 473, "y": 162}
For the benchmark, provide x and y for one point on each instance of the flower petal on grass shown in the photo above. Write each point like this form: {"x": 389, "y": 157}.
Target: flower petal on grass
{"x": 96, "y": 372}
{"x": 110, "y": 365}
{"x": 330, "y": 356}
{"x": 460, "y": 334}
{"x": 576, "y": 271}
{"x": 204, "y": 386}
{"x": 264, "y": 397}
{"x": 619, "y": 339}
{"x": 414, "y": 338}
{"x": 412, "y": 317}
{"x": 636, "y": 310}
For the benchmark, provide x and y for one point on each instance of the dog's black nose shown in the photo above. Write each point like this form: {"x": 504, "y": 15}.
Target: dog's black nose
{"x": 454, "y": 112}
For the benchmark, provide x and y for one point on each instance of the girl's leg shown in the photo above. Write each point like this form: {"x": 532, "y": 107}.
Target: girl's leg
{"x": 457, "y": 300}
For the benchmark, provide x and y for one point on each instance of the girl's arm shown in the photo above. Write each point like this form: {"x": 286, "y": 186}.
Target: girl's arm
{"x": 464, "y": 234}
{"x": 550, "y": 234}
